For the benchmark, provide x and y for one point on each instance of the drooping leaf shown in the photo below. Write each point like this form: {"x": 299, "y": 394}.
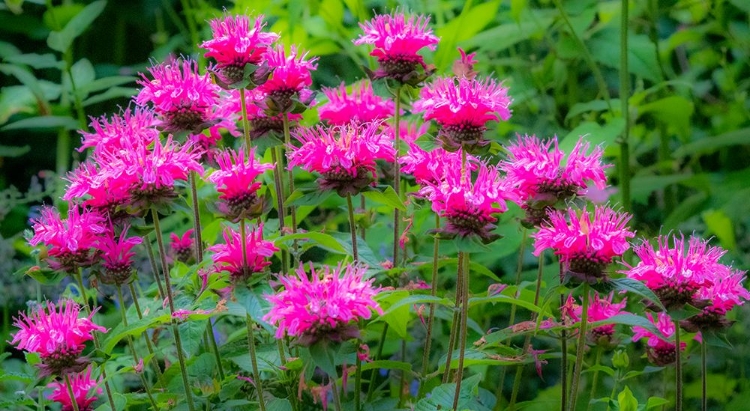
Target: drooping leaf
{"x": 61, "y": 40}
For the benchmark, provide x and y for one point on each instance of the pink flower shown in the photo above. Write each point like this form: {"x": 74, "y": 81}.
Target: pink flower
{"x": 229, "y": 256}
{"x": 397, "y": 39}
{"x": 117, "y": 256}
{"x": 674, "y": 273}
{"x": 544, "y": 177}
{"x": 236, "y": 181}
{"x": 462, "y": 108}
{"x": 464, "y": 67}
{"x": 182, "y": 247}
{"x": 57, "y": 335}
{"x": 68, "y": 241}
{"x": 261, "y": 122}
{"x": 600, "y": 309}
{"x": 469, "y": 207}
{"x": 430, "y": 166}
{"x": 235, "y": 44}
{"x": 660, "y": 351}
{"x": 109, "y": 135}
{"x": 360, "y": 105}
{"x": 343, "y": 155}
{"x": 288, "y": 88}
{"x": 726, "y": 290}
{"x": 81, "y": 383}
{"x": 185, "y": 99}
{"x": 585, "y": 243}
{"x": 323, "y": 304}
{"x": 103, "y": 187}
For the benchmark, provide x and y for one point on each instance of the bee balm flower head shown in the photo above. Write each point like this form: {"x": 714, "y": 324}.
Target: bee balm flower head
{"x": 236, "y": 181}
{"x": 660, "y": 351}
{"x": 361, "y": 105}
{"x": 81, "y": 384}
{"x": 241, "y": 266}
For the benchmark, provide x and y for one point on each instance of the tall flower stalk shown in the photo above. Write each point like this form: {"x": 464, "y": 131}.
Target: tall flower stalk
{"x": 580, "y": 348}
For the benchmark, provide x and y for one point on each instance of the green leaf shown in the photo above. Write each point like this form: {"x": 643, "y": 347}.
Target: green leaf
{"x": 707, "y": 145}
{"x": 654, "y": 402}
{"x": 644, "y": 186}
{"x": 324, "y": 354}
{"x": 279, "y": 404}
{"x": 104, "y": 84}
{"x": 626, "y": 400}
{"x": 500, "y": 298}
{"x": 506, "y": 35}
{"x": 673, "y": 110}
{"x": 12, "y": 151}
{"x": 36, "y": 61}
{"x": 594, "y": 134}
{"x": 720, "y": 225}
{"x": 388, "y": 365}
{"x": 45, "y": 276}
{"x": 322, "y": 240}
{"x": 112, "y": 93}
{"x": 134, "y": 328}
{"x": 590, "y": 106}
{"x": 43, "y": 122}
{"x": 470, "y": 22}
{"x": 605, "y": 49}
{"x": 636, "y": 287}
{"x": 62, "y": 40}
{"x": 442, "y": 397}
{"x": 386, "y": 197}
{"x": 308, "y": 197}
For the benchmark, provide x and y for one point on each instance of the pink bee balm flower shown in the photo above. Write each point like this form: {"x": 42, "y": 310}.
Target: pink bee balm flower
{"x": 600, "y": 309}
{"x": 344, "y": 155}
{"x": 82, "y": 383}
{"x": 464, "y": 66}
{"x": 57, "y": 335}
{"x": 469, "y": 207}
{"x": 585, "y": 243}
{"x": 676, "y": 274}
{"x": 236, "y": 181}
{"x": 430, "y": 166}
{"x": 323, "y": 304}
{"x": 261, "y": 122}
{"x": 101, "y": 186}
{"x": 117, "y": 256}
{"x": 360, "y": 105}
{"x": 235, "y": 44}
{"x": 544, "y": 177}
{"x": 290, "y": 81}
{"x": 229, "y": 256}
{"x": 184, "y": 99}
{"x": 69, "y": 242}
{"x": 182, "y": 247}
{"x": 462, "y": 108}
{"x": 397, "y": 39}
{"x": 724, "y": 293}
{"x": 109, "y": 134}
{"x": 660, "y": 351}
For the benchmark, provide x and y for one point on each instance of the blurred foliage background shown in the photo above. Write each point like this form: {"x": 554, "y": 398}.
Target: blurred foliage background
{"x": 689, "y": 110}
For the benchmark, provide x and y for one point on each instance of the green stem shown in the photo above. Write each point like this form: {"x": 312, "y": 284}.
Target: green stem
{"x": 456, "y": 323}
{"x": 355, "y": 255}
{"x": 704, "y": 376}
{"x": 678, "y": 368}
{"x": 519, "y": 267}
{"x": 196, "y": 218}
{"x": 279, "y": 204}
{"x": 150, "y": 348}
{"x": 580, "y": 348}
{"x": 245, "y": 122}
{"x": 254, "y": 361}
{"x": 154, "y": 270}
{"x": 170, "y": 301}
{"x": 595, "y": 378}
{"x": 378, "y": 354}
{"x": 290, "y": 176}
{"x": 464, "y": 320}
{"x": 73, "y": 401}
{"x": 396, "y": 174}
{"x": 336, "y": 397}
{"x": 564, "y": 351}
{"x": 431, "y": 315}
{"x": 624, "y": 97}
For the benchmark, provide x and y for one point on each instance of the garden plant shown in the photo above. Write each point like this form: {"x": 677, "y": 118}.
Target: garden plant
{"x": 349, "y": 205}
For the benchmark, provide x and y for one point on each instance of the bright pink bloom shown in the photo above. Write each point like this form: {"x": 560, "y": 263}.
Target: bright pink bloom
{"x": 726, "y": 290}
{"x": 185, "y": 99}
{"x": 469, "y": 207}
{"x": 236, "y": 44}
{"x": 464, "y": 67}
{"x": 288, "y": 87}
{"x": 586, "y": 243}
{"x": 462, "y": 108}
{"x": 102, "y": 186}
{"x": 408, "y": 132}
{"x": 57, "y": 335}
{"x": 360, "y": 105}
{"x": 117, "y": 256}
{"x": 68, "y": 241}
{"x": 109, "y": 134}
{"x": 430, "y": 166}
{"x": 236, "y": 181}
{"x": 182, "y": 247}
{"x": 323, "y": 304}
{"x": 660, "y": 351}
{"x": 81, "y": 383}
{"x": 228, "y": 256}
{"x": 344, "y": 155}
{"x": 261, "y": 122}
{"x": 600, "y": 309}
{"x": 397, "y": 39}
{"x": 675, "y": 273}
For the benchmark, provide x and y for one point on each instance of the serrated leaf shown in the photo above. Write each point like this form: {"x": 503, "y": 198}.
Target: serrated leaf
{"x": 323, "y": 240}
{"x": 324, "y": 354}
{"x": 62, "y": 40}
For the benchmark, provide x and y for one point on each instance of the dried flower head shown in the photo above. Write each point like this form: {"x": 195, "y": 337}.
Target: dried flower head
{"x": 82, "y": 384}
{"x": 242, "y": 265}
{"x": 236, "y": 181}
{"x": 322, "y": 305}
{"x": 397, "y": 39}
{"x": 57, "y": 335}
{"x": 361, "y": 105}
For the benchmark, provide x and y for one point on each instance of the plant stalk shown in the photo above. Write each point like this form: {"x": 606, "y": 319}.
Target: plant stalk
{"x": 73, "y": 401}
{"x": 431, "y": 315}
{"x": 280, "y": 204}
{"x": 464, "y": 267}
{"x": 254, "y": 361}
{"x": 678, "y": 368}
{"x": 624, "y": 97}
{"x": 595, "y": 378}
{"x": 704, "y": 377}
{"x": 397, "y": 174}
{"x": 580, "y": 348}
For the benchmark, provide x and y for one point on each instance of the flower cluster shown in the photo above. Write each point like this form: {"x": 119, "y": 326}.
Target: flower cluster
{"x": 660, "y": 350}
{"x": 361, "y": 105}
{"x": 599, "y": 309}
{"x": 323, "y": 304}
{"x": 69, "y": 242}
{"x": 287, "y": 90}
{"x": 236, "y": 181}
{"x": 242, "y": 264}
{"x": 81, "y": 384}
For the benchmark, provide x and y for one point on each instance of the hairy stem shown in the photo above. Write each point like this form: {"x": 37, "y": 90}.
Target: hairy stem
{"x": 580, "y": 347}
{"x": 464, "y": 322}
{"x": 73, "y": 401}
{"x": 431, "y": 315}
{"x": 595, "y": 378}
{"x": 275, "y": 157}
{"x": 397, "y": 174}
{"x": 154, "y": 361}
{"x": 254, "y": 361}
{"x": 245, "y": 122}
{"x": 624, "y": 97}
{"x": 154, "y": 270}
{"x": 677, "y": 368}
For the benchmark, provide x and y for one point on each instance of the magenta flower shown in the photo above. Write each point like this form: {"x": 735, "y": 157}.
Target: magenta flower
{"x": 236, "y": 181}
{"x": 600, "y": 309}
{"x": 660, "y": 351}
{"x": 235, "y": 45}
{"x": 184, "y": 99}
{"x": 585, "y": 243}
{"x": 344, "y": 155}
{"x": 69, "y": 242}
{"x": 464, "y": 66}
{"x": 462, "y": 108}
{"x": 261, "y": 122}
{"x": 468, "y": 207}
{"x": 724, "y": 293}
{"x": 429, "y": 167}
{"x": 117, "y": 256}
{"x": 361, "y": 105}
{"x": 397, "y": 39}
{"x": 109, "y": 134}
{"x": 544, "y": 177}
{"x": 82, "y": 384}
{"x": 229, "y": 256}
{"x": 322, "y": 305}
{"x": 57, "y": 335}
{"x": 181, "y": 248}
{"x": 288, "y": 90}
{"x": 676, "y": 274}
